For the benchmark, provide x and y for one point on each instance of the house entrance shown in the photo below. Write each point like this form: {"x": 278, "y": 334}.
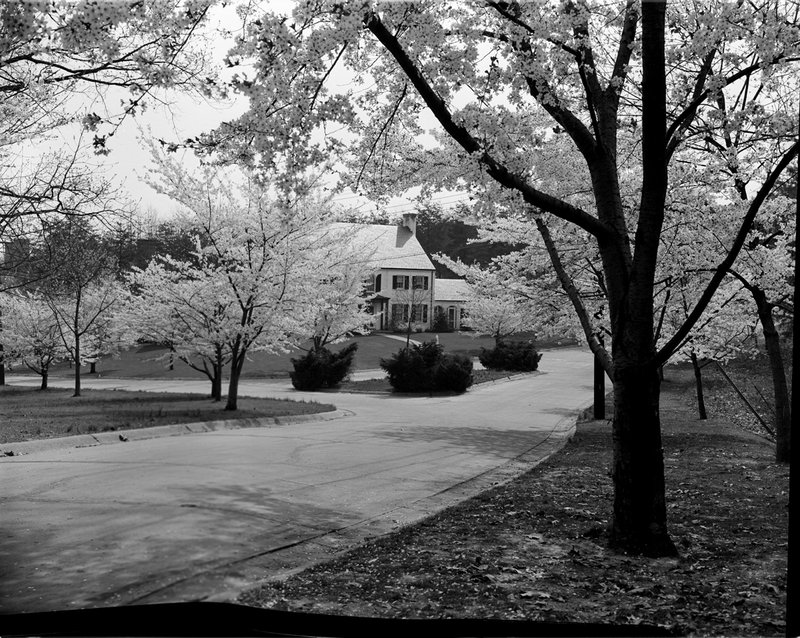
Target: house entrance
{"x": 451, "y": 317}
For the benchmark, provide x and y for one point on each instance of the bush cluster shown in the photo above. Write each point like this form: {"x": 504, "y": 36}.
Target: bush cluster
{"x": 322, "y": 368}
{"x": 511, "y": 355}
{"x": 426, "y": 368}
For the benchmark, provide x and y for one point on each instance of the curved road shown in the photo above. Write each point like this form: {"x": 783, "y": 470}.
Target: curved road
{"x": 202, "y": 516}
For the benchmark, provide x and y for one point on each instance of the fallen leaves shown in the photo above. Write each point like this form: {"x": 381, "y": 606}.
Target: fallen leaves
{"x": 535, "y": 547}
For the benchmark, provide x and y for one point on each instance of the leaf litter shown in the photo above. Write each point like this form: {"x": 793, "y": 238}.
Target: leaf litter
{"x": 535, "y": 548}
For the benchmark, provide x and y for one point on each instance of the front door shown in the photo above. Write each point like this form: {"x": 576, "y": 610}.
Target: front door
{"x": 451, "y": 317}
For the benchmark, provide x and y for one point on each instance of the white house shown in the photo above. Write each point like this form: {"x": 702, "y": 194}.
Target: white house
{"x": 449, "y": 297}
{"x": 401, "y": 287}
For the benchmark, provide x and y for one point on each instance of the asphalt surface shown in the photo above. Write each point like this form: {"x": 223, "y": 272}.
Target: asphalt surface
{"x": 205, "y": 515}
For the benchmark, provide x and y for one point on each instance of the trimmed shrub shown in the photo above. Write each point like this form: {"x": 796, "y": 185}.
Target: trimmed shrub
{"x": 322, "y": 368}
{"x": 520, "y": 356}
{"x": 453, "y": 372}
{"x": 426, "y": 368}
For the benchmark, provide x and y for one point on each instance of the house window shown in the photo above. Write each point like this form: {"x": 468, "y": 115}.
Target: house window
{"x": 369, "y": 284}
{"x": 420, "y": 282}
{"x": 419, "y": 313}
{"x": 377, "y": 283}
{"x": 399, "y": 313}
{"x": 400, "y": 282}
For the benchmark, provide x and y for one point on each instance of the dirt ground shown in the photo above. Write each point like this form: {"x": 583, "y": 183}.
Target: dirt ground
{"x": 535, "y": 548}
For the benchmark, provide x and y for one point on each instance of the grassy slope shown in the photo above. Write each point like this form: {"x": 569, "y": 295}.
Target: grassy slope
{"x": 535, "y": 547}
{"x": 28, "y": 413}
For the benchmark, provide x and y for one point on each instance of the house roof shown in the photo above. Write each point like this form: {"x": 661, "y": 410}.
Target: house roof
{"x": 388, "y": 246}
{"x": 451, "y": 290}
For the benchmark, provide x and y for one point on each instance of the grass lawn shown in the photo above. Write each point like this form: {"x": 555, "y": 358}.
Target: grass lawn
{"x": 28, "y": 413}
{"x": 140, "y": 361}
{"x": 535, "y": 548}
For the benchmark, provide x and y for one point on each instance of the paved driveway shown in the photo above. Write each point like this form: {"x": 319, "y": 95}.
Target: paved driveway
{"x": 202, "y": 516}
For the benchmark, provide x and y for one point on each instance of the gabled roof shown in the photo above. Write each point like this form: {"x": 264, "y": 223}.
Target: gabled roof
{"x": 451, "y": 290}
{"x": 387, "y": 246}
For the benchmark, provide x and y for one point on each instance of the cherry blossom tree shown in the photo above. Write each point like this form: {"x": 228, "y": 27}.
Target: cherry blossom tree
{"x": 502, "y": 80}
{"x": 30, "y": 333}
{"x": 51, "y": 52}
{"x": 82, "y": 315}
{"x": 497, "y": 306}
{"x": 267, "y": 258}
{"x": 59, "y": 63}
{"x": 335, "y": 305}
{"x": 77, "y": 284}
{"x": 176, "y": 305}
{"x": 765, "y": 272}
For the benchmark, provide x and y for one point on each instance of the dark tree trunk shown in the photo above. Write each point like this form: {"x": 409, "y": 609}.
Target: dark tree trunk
{"x": 233, "y": 384}
{"x": 698, "y": 382}
{"x": 93, "y": 367}
{"x": 237, "y": 363}
{"x": 77, "y": 392}
{"x": 43, "y": 386}
{"x": 599, "y": 389}
{"x": 2, "y": 365}
{"x": 780, "y": 386}
{"x": 216, "y": 381}
{"x": 639, "y": 523}
{"x": 640, "y": 514}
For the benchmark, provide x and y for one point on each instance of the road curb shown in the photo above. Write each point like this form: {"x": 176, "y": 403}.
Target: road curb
{"x": 20, "y": 448}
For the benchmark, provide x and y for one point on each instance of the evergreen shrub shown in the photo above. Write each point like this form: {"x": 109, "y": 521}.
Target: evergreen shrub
{"x": 426, "y": 368}
{"x": 322, "y": 368}
{"x": 440, "y": 321}
{"x": 520, "y": 356}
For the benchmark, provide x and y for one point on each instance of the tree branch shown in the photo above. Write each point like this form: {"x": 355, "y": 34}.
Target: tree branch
{"x": 568, "y": 285}
{"x": 663, "y": 355}
{"x": 462, "y": 136}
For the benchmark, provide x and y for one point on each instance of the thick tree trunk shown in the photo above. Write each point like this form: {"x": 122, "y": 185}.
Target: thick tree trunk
{"x": 698, "y": 382}
{"x": 640, "y": 517}
{"x": 43, "y": 386}
{"x": 233, "y": 387}
{"x": 780, "y": 386}
{"x": 93, "y": 367}
{"x": 2, "y": 366}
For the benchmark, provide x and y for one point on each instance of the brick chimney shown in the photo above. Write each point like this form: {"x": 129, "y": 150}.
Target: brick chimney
{"x": 410, "y": 222}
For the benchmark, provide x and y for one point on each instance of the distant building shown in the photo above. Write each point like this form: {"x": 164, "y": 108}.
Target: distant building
{"x": 403, "y": 287}
{"x": 449, "y": 298}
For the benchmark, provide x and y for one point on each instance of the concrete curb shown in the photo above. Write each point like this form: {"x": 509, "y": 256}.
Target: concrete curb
{"x": 177, "y": 429}
{"x": 512, "y": 377}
